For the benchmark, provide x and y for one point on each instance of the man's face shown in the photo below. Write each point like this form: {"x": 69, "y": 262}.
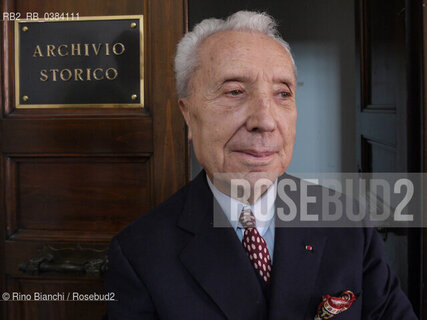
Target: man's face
{"x": 241, "y": 111}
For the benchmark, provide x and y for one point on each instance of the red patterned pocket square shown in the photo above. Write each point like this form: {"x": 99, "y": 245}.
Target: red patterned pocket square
{"x": 331, "y": 306}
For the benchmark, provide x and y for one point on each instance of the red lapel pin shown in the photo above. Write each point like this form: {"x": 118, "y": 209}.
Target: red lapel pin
{"x": 308, "y": 248}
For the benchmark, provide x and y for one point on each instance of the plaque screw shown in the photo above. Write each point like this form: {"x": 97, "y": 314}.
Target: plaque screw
{"x": 134, "y": 96}
{"x": 25, "y": 98}
{"x": 133, "y": 25}
{"x": 24, "y": 28}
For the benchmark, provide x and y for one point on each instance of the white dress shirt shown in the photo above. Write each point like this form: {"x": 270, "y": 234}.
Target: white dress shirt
{"x": 264, "y": 222}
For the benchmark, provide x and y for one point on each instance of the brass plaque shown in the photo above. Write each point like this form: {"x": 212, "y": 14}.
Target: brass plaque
{"x": 81, "y": 62}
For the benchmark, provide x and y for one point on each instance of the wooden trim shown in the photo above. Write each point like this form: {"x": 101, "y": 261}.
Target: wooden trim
{"x": 365, "y": 65}
{"x": 414, "y": 101}
{"x": 7, "y": 53}
{"x": 4, "y": 96}
{"x": 169, "y": 126}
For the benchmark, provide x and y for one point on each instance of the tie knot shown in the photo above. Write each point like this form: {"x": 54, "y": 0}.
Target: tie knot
{"x": 247, "y": 219}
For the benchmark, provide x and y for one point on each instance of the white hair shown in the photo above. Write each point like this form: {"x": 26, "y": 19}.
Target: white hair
{"x": 187, "y": 56}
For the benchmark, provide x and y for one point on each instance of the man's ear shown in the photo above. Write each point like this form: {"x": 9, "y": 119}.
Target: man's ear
{"x": 184, "y": 106}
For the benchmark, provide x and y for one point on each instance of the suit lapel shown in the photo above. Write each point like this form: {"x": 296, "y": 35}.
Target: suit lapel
{"x": 295, "y": 268}
{"x": 216, "y": 259}
{"x": 294, "y": 271}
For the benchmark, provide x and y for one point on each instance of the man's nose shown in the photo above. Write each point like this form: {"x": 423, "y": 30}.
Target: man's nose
{"x": 261, "y": 117}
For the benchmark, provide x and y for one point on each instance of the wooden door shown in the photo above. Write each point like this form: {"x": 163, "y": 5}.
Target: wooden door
{"x": 71, "y": 178}
{"x": 389, "y": 38}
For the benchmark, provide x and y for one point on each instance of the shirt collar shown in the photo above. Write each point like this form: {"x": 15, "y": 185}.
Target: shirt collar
{"x": 263, "y": 209}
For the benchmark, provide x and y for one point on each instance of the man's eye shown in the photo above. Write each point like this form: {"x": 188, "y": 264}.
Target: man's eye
{"x": 235, "y": 92}
{"x": 285, "y": 94}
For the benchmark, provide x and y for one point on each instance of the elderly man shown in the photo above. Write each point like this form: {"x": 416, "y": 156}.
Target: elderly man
{"x": 236, "y": 85}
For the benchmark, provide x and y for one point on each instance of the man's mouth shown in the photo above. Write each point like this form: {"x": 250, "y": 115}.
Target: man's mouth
{"x": 256, "y": 153}
{"x": 256, "y": 156}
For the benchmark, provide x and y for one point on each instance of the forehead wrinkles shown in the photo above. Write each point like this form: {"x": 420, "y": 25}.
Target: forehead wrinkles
{"x": 241, "y": 51}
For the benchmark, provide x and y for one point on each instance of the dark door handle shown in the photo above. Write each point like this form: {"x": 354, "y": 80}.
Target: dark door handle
{"x": 92, "y": 262}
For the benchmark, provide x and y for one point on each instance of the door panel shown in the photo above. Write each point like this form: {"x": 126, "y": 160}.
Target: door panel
{"x": 79, "y": 135}
{"x": 51, "y": 196}
{"x": 73, "y": 178}
{"x": 388, "y": 114}
{"x": 382, "y": 86}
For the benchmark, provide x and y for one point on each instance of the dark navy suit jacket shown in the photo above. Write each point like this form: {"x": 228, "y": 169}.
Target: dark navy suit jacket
{"x": 173, "y": 264}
